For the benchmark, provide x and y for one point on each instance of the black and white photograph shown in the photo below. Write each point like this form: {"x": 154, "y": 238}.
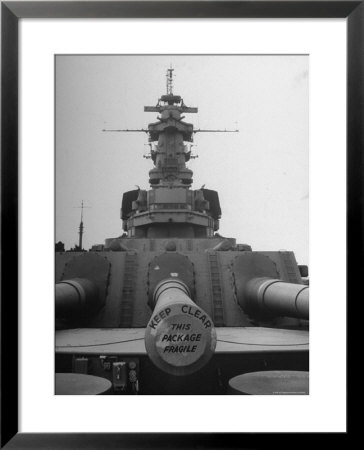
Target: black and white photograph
{"x": 181, "y": 224}
{"x": 181, "y": 197}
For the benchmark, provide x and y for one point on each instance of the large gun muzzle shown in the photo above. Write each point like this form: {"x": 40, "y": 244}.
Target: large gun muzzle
{"x": 82, "y": 291}
{"x": 180, "y": 337}
{"x": 262, "y": 294}
{"x": 277, "y": 298}
{"x": 76, "y": 296}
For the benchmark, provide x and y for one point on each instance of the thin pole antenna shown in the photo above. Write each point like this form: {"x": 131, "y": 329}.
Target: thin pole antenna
{"x": 81, "y": 227}
{"x": 128, "y": 131}
{"x": 215, "y": 131}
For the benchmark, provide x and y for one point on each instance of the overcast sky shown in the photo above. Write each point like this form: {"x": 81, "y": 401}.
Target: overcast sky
{"x": 260, "y": 173}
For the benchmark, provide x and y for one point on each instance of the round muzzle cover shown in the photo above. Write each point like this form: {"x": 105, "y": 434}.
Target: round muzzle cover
{"x": 180, "y": 338}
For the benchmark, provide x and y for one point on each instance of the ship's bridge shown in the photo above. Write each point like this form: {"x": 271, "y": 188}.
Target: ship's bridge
{"x": 171, "y": 212}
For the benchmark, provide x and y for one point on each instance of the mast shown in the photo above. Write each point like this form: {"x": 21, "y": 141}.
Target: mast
{"x": 169, "y": 77}
{"x": 81, "y": 227}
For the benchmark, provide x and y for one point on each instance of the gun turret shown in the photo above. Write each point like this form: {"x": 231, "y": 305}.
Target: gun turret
{"x": 263, "y": 294}
{"x": 76, "y": 296}
{"x": 82, "y": 290}
{"x": 180, "y": 337}
{"x": 278, "y": 298}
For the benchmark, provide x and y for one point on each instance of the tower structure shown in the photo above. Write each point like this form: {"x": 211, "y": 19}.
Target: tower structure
{"x": 170, "y": 208}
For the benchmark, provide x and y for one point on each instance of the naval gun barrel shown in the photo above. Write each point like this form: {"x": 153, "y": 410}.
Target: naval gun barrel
{"x": 76, "y": 296}
{"x": 180, "y": 337}
{"x": 278, "y": 298}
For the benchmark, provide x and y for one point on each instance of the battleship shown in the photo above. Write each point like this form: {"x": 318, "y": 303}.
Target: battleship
{"x": 171, "y": 306}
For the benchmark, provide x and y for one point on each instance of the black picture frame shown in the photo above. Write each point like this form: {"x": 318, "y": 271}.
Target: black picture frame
{"x": 11, "y": 12}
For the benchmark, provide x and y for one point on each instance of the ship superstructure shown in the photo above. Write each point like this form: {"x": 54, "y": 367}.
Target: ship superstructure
{"x": 171, "y": 208}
